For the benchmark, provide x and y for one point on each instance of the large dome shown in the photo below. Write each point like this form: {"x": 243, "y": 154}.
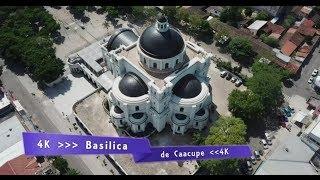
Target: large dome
{"x": 187, "y": 87}
{"x": 161, "y": 45}
{"x": 132, "y": 85}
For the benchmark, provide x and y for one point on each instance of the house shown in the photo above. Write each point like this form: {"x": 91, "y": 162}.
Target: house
{"x": 273, "y": 30}
{"x": 256, "y": 26}
{"x": 301, "y": 11}
{"x": 21, "y": 165}
{"x": 214, "y": 10}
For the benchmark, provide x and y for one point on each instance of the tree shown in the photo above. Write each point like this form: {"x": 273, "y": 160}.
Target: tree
{"x": 138, "y": 12}
{"x": 281, "y": 73}
{"x": 241, "y": 50}
{"x": 226, "y": 130}
{"x": 270, "y": 41}
{"x": 231, "y": 15}
{"x": 245, "y": 105}
{"x": 61, "y": 164}
{"x": 170, "y": 12}
{"x": 150, "y": 13}
{"x": 73, "y": 172}
{"x": 262, "y": 15}
{"x": 183, "y": 15}
{"x": 268, "y": 87}
{"x": 248, "y": 11}
{"x": 112, "y": 11}
{"x": 77, "y": 11}
{"x": 289, "y": 21}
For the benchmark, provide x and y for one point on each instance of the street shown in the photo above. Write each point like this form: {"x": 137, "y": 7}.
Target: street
{"x": 50, "y": 120}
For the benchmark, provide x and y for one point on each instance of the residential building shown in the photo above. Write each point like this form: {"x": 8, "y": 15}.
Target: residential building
{"x": 272, "y": 10}
{"x": 256, "y": 26}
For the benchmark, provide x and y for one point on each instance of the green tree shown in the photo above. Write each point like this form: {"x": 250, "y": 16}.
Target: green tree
{"x": 289, "y": 21}
{"x": 150, "y": 13}
{"x": 72, "y": 172}
{"x": 241, "y": 50}
{"x": 183, "y": 15}
{"x": 258, "y": 67}
{"x": 138, "y": 12}
{"x": 61, "y": 164}
{"x": 245, "y": 105}
{"x": 112, "y": 11}
{"x": 268, "y": 87}
{"x": 77, "y": 11}
{"x": 225, "y": 131}
{"x": 170, "y": 12}
{"x": 231, "y": 15}
{"x": 248, "y": 11}
{"x": 262, "y": 15}
{"x": 270, "y": 41}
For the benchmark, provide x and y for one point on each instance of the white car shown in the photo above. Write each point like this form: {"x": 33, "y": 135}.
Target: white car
{"x": 233, "y": 79}
{"x": 223, "y": 73}
{"x": 315, "y": 72}
{"x": 310, "y": 80}
{"x": 257, "y": 155}
{"x": 253, "y": 159}
{"x": 264, "y": 143}
{"x": 238, "y": 83}
{"x": 249, "y": 166}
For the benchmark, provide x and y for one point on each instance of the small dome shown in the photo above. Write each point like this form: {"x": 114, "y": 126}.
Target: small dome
{"x": 122, "y": 36}
{"x": 132, "y": 85}
{"x": 187, "y": 87}
{"x": 161, "y": 45}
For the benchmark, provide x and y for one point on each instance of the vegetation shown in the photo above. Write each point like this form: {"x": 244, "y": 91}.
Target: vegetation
{"x": 248, "y": 11}
{"x": 72, "y": 172}
{"x": 112, "y": 12}
{"x": 170, "y": 12}
{"x": 226, "y": 130}
{"x": 289, "y": 21}
{"x": 77, "y": 11}
{"x": 241, "y": 50}
{"x": 26, "y": 37}
{"x": 245, "y": 105}
{"x": 272, "y": 42}
{"x": 61, "y": 164}
{"x": 262, "y": 15}
{"x": 231, "y": 15}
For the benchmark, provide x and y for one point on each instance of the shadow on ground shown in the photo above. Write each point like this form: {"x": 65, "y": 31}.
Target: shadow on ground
{"x": 58, "y": 89}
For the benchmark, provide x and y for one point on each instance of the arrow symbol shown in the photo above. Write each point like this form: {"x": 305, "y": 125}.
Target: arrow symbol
{"x": 217, "y": 152}
{"x": 60, "y": 145}
{"x": 74, "y": 145}
{"x": 67, "y": 145}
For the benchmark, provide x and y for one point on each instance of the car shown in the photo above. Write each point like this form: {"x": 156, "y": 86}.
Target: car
{"x": 249, "y": 165}
{"x": 253, "y": 159}
{"x": 285, "y": 113}
{"x": 223, "y": 74}
{"x": 315, "y": 72}
{"x": 233, "y": 79}
{"x": 229, "y": 76}
{"x": 264, "y": 143}
{"x": 292, "y": 109}
{"x": 257, "y": 155}
{"x": 238, "y": 82}
{"x": 311, "y": 79}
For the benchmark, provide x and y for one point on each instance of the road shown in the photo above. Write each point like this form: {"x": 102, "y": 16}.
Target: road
{"x": 301, "y": 86}
{"x": 48, "y": 119}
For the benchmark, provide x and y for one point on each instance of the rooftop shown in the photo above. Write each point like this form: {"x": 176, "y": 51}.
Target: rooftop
{"x": 291, "y": 157}
{"x": 95, "y": 118}
{"x": 133, "y": 56}
{"x": 22, "y": 165}
{"x": 91, "y": 54}
{"x": 273, "y": 28}
{"x": 258, "y": 24}
{"x": 11, "y": 144}
{"x": 288, "y": 48}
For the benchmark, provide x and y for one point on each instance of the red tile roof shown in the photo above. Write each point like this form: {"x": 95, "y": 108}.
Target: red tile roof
{"x": 273, "y": 28}
{"x": 288, "y": 48}
{"x": 307, "y": 23}
{"x": 297, "y": 38}
{"x": 22, "y": 165}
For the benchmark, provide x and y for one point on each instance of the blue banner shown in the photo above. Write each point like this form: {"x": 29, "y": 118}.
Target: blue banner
{"x": 46, "y": 144}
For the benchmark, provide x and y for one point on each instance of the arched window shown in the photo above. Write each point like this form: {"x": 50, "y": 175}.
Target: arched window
{"x": 154, "y": 65}
{"x": 167, "y": 65}
{"x": 181, "y": 109}
{"x": 144, "y": 60}
{"x": 137, "y": 108}
{"x": 177, "y": 61}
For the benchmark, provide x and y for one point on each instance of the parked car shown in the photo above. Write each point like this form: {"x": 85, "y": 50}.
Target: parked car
{"x": 284, "y": 112}
{"x": 257, "y": 155}
{"x": 233, "y": 79}
{"x": 249, "y": 166}
{"x": 223, "y": 74}
{"x": 315, "y": 72}
{"x": 264, "y": 143}
{"x": 292, "y": 109}
{"x": 310, "y": 80}
{"x": 229, "y": 76}
{"x": 238, "y": 83}
{"x": 253, "y": 159}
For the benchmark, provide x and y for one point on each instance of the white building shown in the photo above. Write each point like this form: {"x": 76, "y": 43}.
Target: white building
{"x": 159, "y": 78}
{"x": 256, "y": 26}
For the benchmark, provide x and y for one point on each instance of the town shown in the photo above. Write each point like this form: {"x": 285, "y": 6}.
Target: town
{"x": 177, "y": 75}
